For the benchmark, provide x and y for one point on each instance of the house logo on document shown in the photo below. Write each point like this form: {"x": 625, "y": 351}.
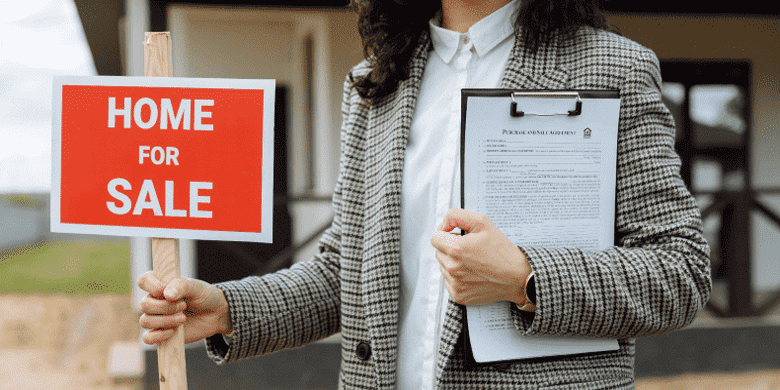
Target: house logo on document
{"x": 586, "y": 133}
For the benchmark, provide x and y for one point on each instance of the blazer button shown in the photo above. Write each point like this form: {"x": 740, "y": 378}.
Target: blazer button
{"x": 363, "y": 351}
{"x": 503, "y": 367}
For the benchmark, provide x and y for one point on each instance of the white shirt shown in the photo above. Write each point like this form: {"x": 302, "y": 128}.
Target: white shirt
{"x": 431, "y": 179}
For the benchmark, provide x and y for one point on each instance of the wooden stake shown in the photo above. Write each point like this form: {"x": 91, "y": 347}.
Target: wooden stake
{"x": 165, "y": 251}
{"x": 171, "y": 365}
{"x": 158, "y": 55}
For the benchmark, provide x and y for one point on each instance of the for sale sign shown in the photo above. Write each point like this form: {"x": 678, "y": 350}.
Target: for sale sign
{"x": 163, "y": 157}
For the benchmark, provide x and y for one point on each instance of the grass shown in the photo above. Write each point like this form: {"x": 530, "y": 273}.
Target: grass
{"x": 82, "y": 267}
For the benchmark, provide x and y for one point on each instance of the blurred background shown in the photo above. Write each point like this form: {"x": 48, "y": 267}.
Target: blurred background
{"x": 68, "y": 307}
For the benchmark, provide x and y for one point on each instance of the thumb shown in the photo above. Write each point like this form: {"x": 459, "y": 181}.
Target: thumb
{"x": 467, "y": 221}
{"x": 179, "y": 288}
{"x": 443, "y": 241}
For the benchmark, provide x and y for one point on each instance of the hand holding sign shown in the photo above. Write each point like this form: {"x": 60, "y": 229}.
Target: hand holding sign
{"x": 199, "y": 306}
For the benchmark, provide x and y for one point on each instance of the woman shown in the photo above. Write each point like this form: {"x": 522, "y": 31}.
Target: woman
{"x": 391, "y": 278}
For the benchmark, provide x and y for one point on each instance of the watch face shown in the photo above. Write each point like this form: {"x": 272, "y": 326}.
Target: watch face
{"x": 530, "y": 289}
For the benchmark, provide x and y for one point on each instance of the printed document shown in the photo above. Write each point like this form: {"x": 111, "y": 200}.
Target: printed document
{"x": 546, "y": 181}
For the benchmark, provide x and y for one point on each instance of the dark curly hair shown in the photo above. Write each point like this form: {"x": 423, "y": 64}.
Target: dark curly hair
{"x": 391, "y": 30}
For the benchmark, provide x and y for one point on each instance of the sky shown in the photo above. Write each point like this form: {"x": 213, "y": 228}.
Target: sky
{"x": 39, "y": 39}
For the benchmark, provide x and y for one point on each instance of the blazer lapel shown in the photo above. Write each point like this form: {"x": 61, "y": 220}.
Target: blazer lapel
{"x": 535, "y": 70}
{"x": 388, "y": 131}
{"x": 525, "y": 69}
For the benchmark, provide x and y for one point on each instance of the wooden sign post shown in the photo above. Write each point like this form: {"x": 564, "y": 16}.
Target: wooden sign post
{"x": 171, "y": 364}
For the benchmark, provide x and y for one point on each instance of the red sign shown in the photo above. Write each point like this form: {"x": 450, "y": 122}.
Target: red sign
{"x": 183, "y": 158}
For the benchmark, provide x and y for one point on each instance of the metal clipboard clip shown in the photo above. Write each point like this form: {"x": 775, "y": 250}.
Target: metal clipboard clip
{"x": 516, "y": 113}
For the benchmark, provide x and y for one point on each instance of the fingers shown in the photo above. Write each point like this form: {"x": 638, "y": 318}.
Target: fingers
{"x": 149, "y": 283}
{"x": 160, "y": 318}
{"x": 159, "y": 315}
{"x": 179, "y": 288}
{"x": 155, "y": 322}
{"x": 160, "y": 327}
{"x": 153, "y": 306}
{"x": 176, "y": 289}
{"x": 467, "y": 221}
{"x": 460, "y": 249}
{"x": 163, "y": 308}
{"x": 456, "y": 245}
{"x": 162, "y": 300}
{"x": 157, "y": 336}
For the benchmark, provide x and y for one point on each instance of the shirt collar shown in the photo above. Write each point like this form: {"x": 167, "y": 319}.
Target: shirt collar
{"x": 485, "y": 34}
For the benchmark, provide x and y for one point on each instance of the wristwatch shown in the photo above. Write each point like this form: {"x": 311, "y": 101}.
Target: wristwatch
{"x": 530, "y": 288}
{"x": 529, "y": 294}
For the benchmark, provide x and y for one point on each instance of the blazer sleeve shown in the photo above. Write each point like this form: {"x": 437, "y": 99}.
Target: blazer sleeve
{"x": 657, "y": 276}
{"x": 288, "y": 308}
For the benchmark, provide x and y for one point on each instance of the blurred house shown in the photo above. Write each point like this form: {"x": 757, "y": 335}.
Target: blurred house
{"x": 23, "y": 219}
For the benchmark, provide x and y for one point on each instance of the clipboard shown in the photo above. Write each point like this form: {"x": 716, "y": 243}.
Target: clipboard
{"x": 530, "y": 160}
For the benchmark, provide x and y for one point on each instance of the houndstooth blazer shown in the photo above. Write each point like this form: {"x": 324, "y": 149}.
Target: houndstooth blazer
{"x": 655, "y": 279}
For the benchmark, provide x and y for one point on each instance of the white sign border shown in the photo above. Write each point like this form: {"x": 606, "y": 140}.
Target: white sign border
{"x": 267, "y": 196}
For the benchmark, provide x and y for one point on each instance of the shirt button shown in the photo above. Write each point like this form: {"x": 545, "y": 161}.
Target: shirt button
{"x": 363, "y": 351}
{"x": 465, "y": 38}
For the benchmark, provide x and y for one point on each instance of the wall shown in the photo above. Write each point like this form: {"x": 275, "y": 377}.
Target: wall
{"x": 264, "y": 43}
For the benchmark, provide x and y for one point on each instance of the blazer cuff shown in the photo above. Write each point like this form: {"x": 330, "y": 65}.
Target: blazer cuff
{"x": 222, "y": 348}
{"x": 217, "y": 348}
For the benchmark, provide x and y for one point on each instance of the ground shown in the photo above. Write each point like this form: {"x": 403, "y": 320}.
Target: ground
{"x": 62, "y": 341}
{"x": 756, "y": 380}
